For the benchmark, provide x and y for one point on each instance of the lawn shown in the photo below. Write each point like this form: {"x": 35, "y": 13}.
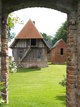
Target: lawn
{"x": 37, "y": 87}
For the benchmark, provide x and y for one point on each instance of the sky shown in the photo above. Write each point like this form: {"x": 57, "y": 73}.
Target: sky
{"x": 46, "y": 20}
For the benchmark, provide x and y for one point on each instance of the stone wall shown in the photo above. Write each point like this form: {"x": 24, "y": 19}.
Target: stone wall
{"x": 35, "y": 64}
{"x": 4, "y": 50}
{"x": 4, "y": 54}
{"x": 73, "y": 58}
{"x": 78, "y": 57}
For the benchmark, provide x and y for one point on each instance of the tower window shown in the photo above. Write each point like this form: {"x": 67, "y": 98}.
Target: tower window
{"x": 61, "y": 51}
{"x": 33, "y": 42}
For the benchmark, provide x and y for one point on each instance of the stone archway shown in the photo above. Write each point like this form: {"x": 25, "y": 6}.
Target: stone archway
{"x": 72, "y": 8}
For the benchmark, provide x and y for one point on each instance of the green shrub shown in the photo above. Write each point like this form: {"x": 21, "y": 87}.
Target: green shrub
{"x": 2, "y": 87}
{"x": 63, "y": 82}
{"x": 12, "y": 66}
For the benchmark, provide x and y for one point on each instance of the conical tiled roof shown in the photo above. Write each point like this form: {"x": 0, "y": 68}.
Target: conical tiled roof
{"x": 29, "y": 31}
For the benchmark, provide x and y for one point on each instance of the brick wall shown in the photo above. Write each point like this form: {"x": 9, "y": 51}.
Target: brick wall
{"x": 56, "y": 56}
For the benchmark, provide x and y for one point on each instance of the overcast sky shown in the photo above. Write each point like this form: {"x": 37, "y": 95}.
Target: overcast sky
{"x": 46, "y": 20}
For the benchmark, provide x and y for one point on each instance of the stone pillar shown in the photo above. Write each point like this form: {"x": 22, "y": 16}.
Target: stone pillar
{"x": 4, "y": 50}
{"x": 72, "y": 63}
{"x": 4, "y": 53}
{"x": 0, "y": 35}
{"x": 78, "y": 49}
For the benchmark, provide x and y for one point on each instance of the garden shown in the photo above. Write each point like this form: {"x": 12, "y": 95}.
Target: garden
{"x": 37, "y": 87}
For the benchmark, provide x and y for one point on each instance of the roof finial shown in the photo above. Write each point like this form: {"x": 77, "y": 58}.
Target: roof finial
{"x": 34, "y": 22}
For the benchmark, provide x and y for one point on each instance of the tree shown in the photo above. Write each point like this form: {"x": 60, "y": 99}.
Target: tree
{"x": 10, "y": 26}
{"x": 47, "y": 38}
{"x": 61, "y": 33}
{"x": 12, "y": 20}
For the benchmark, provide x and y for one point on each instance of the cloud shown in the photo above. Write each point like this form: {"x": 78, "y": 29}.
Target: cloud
{"x": 47, "y": 20}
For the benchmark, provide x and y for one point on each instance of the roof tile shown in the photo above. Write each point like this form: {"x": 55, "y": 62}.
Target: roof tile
{"x": 29, "y": 31}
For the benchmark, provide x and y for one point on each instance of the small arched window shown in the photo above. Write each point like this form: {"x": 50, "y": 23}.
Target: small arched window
{"x": 61, "y": 51}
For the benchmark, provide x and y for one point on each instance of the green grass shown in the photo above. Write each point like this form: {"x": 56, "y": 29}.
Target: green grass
{"x": 37, "y": 87}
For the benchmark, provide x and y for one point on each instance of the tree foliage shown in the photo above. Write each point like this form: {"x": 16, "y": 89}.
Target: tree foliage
{"x": 12, "y": 65}
{"x": 61, "y": 33}
{"x": 12, "y": 20}
{"x": 63, "y": 82}
{"x": 10, "y": 26}
{"x": 2, "y": 88}
{"x": 47, "y": 38}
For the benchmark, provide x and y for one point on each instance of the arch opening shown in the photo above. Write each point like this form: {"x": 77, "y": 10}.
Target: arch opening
{"x": 43, "y": 32}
